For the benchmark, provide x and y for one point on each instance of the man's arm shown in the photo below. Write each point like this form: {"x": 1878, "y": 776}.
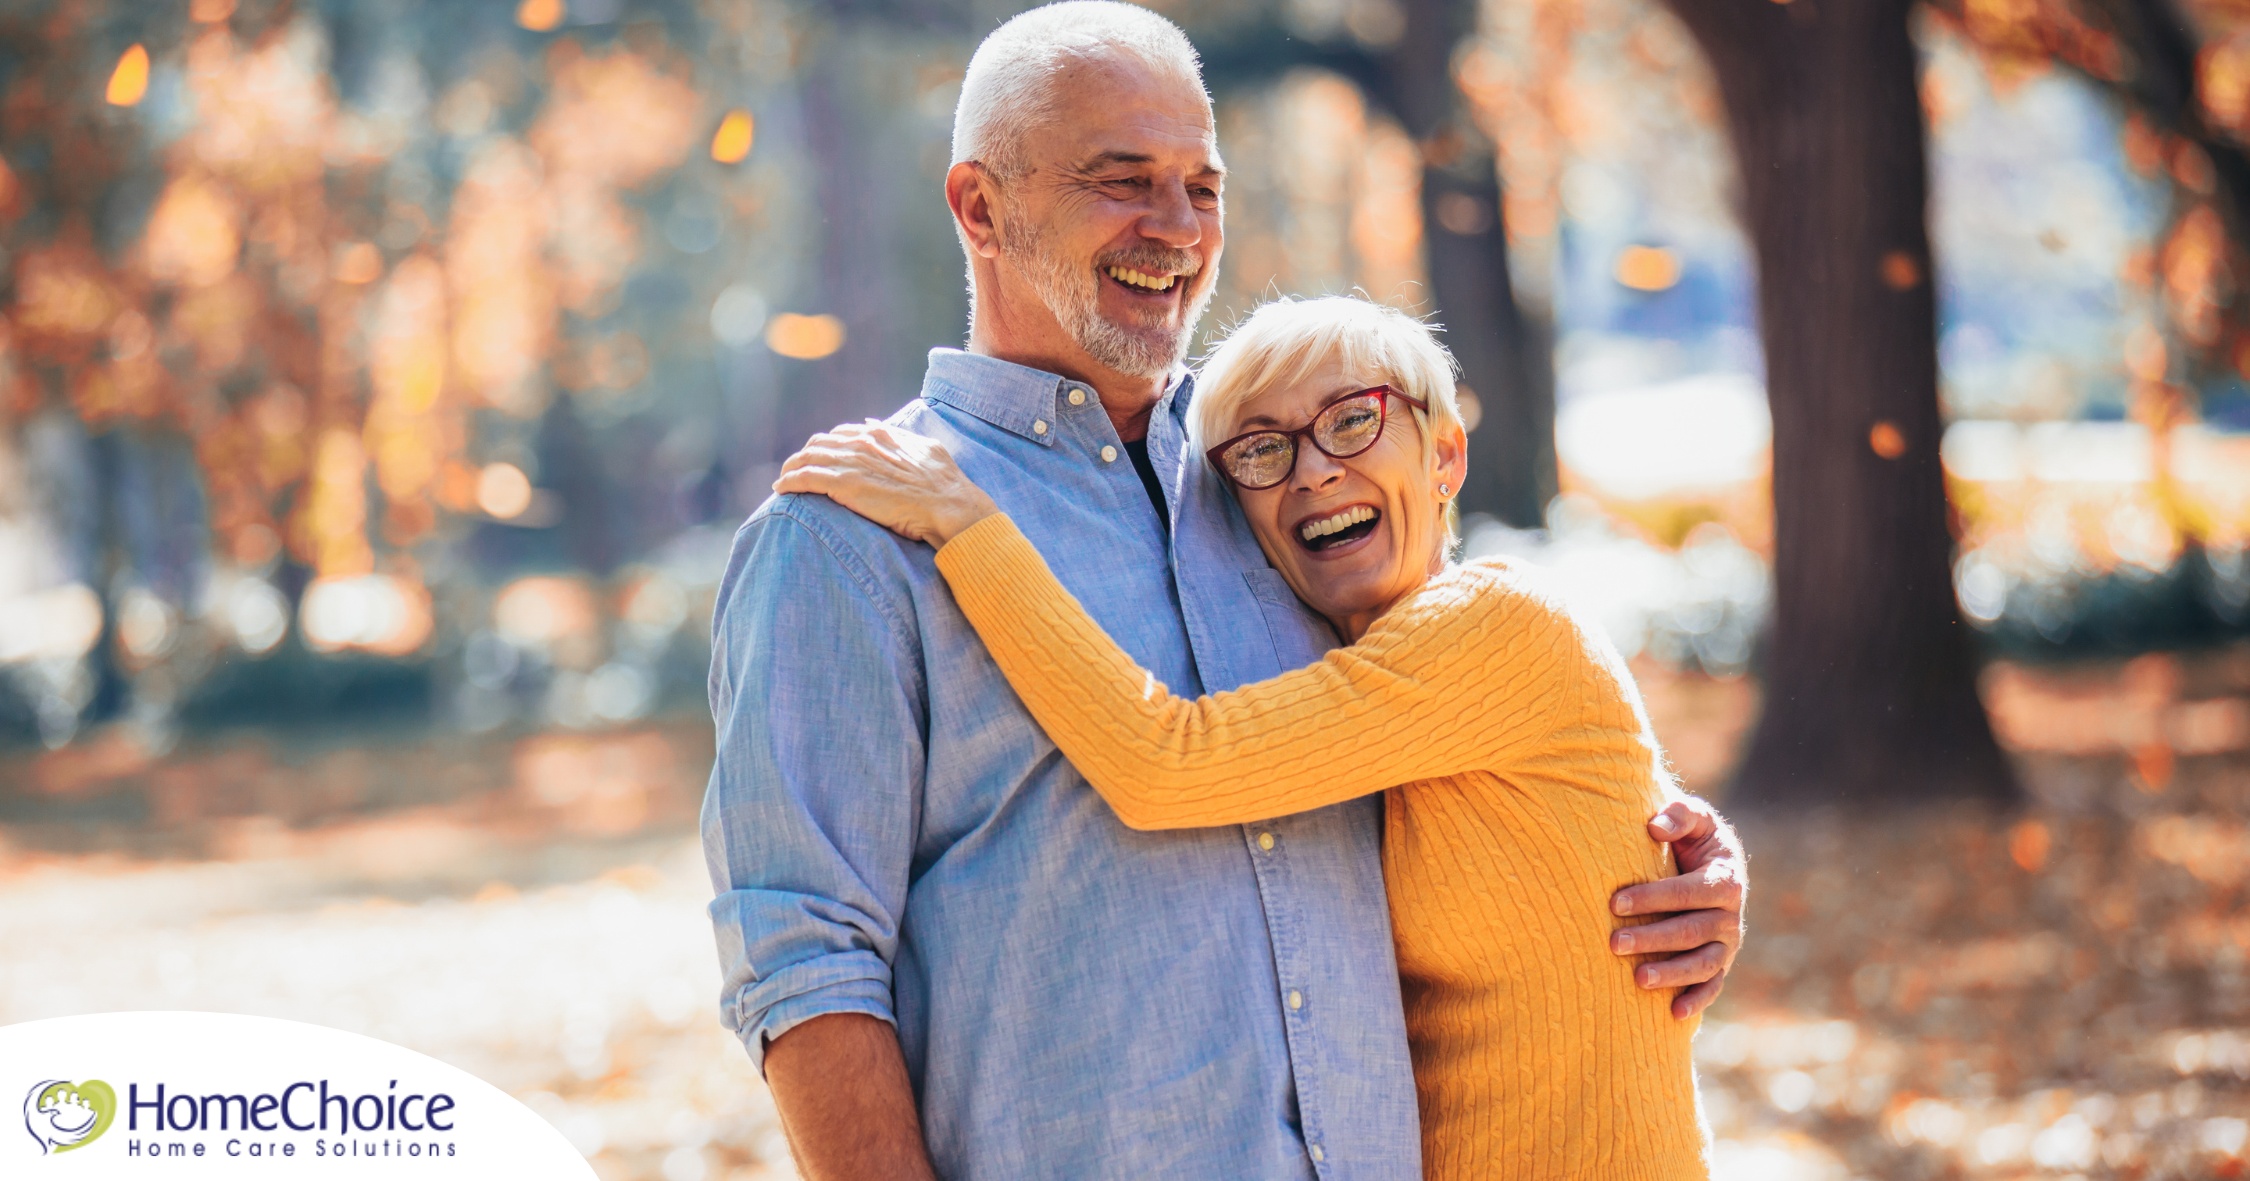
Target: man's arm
{"x": 840, "y": 1085}
{"x": 808, "y": 828}
{"x": 1703, "y": 904}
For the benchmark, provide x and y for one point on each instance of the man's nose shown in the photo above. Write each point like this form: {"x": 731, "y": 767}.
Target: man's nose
{"x": 1171, "y": 218}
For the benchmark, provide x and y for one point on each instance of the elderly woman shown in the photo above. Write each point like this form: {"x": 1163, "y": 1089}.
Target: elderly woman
{"x": 1518, "y": 760}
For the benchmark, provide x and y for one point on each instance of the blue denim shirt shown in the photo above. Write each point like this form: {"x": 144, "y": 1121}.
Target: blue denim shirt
{"x": 890, "y": 833}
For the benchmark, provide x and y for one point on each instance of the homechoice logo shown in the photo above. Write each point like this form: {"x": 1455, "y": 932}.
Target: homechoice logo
{"x": 385, "y": 1123}
{"x": 188, "y": 1096}
{"x": 63, "y": 1115}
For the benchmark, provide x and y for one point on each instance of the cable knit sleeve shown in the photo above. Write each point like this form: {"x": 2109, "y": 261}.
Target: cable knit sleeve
{"x": 1467, "y": 674}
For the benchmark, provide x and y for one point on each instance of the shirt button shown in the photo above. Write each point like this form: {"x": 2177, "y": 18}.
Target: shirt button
{"x": 1077, "y": 397}
{"x": 1316, "y": 1154}
{"x": 1296, "y": 999}
{"x": 1265, "y": 841}
{"x": 1109, "y": 453}
{"x": 1039, "y": 426}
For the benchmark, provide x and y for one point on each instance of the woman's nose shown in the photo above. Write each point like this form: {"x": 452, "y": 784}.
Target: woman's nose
{"x": 1316, "y": 469}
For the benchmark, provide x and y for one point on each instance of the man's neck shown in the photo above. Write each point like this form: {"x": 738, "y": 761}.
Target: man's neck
{"x": 1127, "y": 400}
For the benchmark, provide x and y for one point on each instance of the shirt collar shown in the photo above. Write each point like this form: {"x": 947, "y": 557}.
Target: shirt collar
{"x": 1182, "y": 392}
{"x": 1016, "y": 398}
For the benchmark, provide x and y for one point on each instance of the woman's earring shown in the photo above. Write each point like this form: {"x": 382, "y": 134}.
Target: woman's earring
{"x": 1444, "y": 490}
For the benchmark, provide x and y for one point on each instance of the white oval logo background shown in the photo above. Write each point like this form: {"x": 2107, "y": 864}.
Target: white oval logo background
{"x": 79, "y": 1097}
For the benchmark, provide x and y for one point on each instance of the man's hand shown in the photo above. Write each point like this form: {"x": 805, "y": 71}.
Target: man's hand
{"x": 1703, "y": 906}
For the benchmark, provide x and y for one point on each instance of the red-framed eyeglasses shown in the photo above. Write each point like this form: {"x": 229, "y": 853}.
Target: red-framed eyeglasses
{"x": 1343, "y": 428}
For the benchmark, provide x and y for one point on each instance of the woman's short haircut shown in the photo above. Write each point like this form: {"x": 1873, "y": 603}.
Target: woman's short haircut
{"x": 1009, "y": 87}
{"x": 1286, "y": 339}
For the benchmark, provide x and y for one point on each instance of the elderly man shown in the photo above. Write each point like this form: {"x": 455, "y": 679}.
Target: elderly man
{"x": 944, "y": 950}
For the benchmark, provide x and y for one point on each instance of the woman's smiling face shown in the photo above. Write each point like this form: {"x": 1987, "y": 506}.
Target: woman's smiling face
{"x": 1352, "y": 536}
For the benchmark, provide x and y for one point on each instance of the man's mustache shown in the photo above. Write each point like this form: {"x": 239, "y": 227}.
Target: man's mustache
{"x": 1153, "y": 260}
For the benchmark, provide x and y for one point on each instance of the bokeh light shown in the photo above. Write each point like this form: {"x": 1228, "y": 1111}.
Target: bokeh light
{"x": 257, "y": 614}
{"x": 59, "y": 624}
{"x": 128, "y": 83}
{"x": 1647, "y": 268}
{"x": 1886, "y": 440}
{"x": 503, "y": 490}
{"x": 731, "y": 143}
{"x": 540, "y": 15}
{"x": 377, "y": 613}
{"x": 806, "y": 338}
{"x": 557, "y": 616}
{"x": 738, "y": 316}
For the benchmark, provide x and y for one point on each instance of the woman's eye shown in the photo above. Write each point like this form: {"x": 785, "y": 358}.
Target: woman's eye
{"x": 1265, "y": 448}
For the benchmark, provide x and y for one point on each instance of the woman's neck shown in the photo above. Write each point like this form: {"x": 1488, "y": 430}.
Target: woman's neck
{"x": 1356, "y": 624}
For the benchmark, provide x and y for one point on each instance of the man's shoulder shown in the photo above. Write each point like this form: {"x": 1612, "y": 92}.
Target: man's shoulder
{"x": 793, "y": 528}
{"x": 813, "y": 552}
{"x": 793, "y": 525}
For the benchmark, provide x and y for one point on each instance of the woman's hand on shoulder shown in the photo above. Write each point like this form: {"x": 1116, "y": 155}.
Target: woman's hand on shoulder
{"x": 905, "y": 482}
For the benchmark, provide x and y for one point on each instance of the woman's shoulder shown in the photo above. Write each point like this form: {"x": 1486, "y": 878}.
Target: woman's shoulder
{"x": 1488, "y": 594}
{"x": 1514, "y": 586}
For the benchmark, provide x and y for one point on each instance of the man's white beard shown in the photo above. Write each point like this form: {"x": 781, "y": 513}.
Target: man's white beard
{"x": 1073, "y": 293}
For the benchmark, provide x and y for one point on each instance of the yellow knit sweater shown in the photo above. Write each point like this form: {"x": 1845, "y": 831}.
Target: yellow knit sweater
{"x": 1526, "y": 774}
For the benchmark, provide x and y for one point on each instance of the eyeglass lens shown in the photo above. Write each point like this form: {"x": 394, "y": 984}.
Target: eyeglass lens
{"x": 1342, "y": 429}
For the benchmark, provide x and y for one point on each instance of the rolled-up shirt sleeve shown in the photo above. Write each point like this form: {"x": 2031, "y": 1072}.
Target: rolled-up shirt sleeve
{"x": 809, "y": 820}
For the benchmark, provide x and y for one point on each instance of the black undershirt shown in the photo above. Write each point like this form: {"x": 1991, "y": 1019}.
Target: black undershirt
{"x": 1137, "y": 450}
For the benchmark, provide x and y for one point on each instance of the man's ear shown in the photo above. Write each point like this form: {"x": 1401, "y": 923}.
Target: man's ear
{"x": 975, "y": 199}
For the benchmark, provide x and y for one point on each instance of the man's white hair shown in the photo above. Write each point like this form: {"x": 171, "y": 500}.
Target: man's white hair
{"x": 1009, "y": 88}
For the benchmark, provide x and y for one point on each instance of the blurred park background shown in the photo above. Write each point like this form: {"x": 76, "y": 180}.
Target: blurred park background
{"x": 381, "y": 382}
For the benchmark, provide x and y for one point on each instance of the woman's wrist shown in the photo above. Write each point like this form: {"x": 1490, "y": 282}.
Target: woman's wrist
{"x": 962, "y": 513}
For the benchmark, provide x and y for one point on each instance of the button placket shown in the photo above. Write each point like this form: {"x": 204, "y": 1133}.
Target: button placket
{"x": 1270, "y": 865}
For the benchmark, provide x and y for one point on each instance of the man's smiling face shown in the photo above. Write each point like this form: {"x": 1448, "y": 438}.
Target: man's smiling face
{"x": 1115, "y": 226}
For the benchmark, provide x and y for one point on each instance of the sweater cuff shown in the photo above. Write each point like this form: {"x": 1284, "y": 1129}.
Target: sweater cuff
{"x": 977, "y": 542}
{"x": 983, "y": 554}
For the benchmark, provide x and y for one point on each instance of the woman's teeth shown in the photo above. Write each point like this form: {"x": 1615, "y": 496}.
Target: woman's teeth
{"x": 1313, "y": 530}
{"x": 1135, "y": 278}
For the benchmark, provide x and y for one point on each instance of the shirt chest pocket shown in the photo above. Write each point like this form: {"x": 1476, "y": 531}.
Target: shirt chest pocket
{"x": 1299, "y": 636}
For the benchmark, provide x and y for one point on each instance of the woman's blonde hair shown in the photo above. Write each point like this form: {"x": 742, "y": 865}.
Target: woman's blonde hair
{"x": 1286, "y": 339}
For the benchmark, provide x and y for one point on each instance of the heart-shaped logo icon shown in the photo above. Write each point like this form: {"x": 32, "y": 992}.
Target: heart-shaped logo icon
{"x": 63, "y": 1115}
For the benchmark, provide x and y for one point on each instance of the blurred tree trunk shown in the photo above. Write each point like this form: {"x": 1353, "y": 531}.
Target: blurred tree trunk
{"x": 1505, "y": 354}
{"x": 1869, "y": 678}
